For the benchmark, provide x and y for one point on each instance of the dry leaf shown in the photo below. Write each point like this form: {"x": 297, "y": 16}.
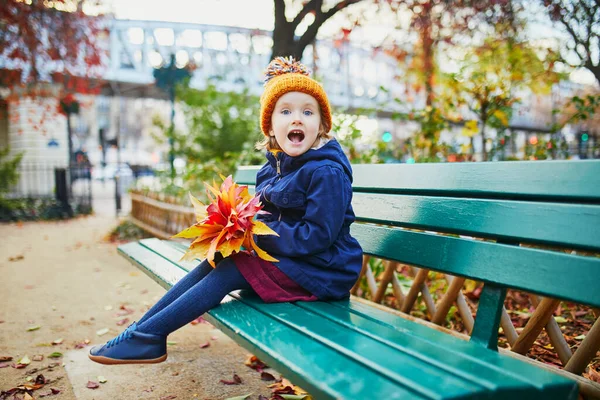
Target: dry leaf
{"x": 102, "y": 332}
{"x": 93, "y": 385}
{"x": 226, "y": 224}
{"x": 236, "y": 380}
{"x": 205, "y": 345}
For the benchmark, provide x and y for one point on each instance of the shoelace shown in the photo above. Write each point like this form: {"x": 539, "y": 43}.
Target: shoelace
{"x": 126, "y": 334}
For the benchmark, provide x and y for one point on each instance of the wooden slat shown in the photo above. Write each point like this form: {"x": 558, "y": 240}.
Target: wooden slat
{"x": 586, "y": 351}
{"x": 534, "y": 326}
{"x": 163, "y": 272}
{"x": 531, "y": 180}
{"x": 556, "y": 179}
{"x": 561, "y": 275}
{"x": 567, "y": 225}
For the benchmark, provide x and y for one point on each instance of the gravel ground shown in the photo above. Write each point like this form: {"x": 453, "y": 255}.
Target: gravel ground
{"x": 60, "y": 281}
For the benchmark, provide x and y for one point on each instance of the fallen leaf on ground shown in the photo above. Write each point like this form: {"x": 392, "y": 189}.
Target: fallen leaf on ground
{"x": 102, "y": 332}
{"x": 52, "y": 392}
{"x": 56, "y": 354}
{"x": 93, "y": 385}
{"x": 24, "y": 360}
{"x": 205, "y": 345}
{"x": 213, "y": 338}
{"x": 102, "y": 379}
{"x": 169, "y": 397}
{"x": 122, "y": 321}
{"x": 33, "y": 328}
{"x": 171, "y": 343}
{"x": 6, "y": 358}
{"x": 254, "y": 363}
{"x": 265, "y": 376}
{"x": 124, "y": 311}
{"x": 16, "y": 258}
{"x": 236, "y": 380}
{"x": 57, "y": 341}
{"x": 4, "y": 365}
{"x": 198, "y": 320}
{"x": 38, "y": 357}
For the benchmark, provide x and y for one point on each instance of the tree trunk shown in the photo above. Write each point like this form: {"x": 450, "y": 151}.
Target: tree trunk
{"x": 285, "y": 43}
{"x": 483, "y": 139}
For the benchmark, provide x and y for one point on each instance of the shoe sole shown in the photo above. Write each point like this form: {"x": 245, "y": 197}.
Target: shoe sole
{"x": 114, "y": 361}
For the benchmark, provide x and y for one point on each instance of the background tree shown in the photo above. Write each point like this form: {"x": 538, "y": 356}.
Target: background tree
{"x": 490, "y": 75}
{"x": 580, "y": 20}
{"x": 285, "y": 42}
{"x": 43, "y": 41}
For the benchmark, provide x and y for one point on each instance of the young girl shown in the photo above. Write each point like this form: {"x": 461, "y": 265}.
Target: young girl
{"x": 306, "y": 188}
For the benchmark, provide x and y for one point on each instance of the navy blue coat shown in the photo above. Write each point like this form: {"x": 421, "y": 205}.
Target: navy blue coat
{"x": 309, "y": 201}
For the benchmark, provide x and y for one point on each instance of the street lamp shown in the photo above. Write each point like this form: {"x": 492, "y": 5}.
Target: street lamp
{"x": 166, "y": 78}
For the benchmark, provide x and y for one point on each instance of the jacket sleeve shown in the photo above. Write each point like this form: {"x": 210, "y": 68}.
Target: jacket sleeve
{"x": 327, "y": 201}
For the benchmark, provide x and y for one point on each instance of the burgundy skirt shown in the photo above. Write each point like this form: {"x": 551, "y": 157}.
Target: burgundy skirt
{"x": 271, "y": 285}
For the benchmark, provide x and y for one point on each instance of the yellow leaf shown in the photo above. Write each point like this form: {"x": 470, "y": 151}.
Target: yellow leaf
{"x": 470, "y": 128}
{"x": 260, "y": 252}
{"x": 501, "y": 115}
{"x": 260, "y": 228}
{"x": 198, "y": 249}
{"x": 210, "y": 255}
{"x": 199, "y": 208}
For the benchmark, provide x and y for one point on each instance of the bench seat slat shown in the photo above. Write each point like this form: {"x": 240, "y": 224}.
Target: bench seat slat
{"x": 164, "y": 273}
{"x": 407, "y": 370}
{"x": 548, "y": 273}
{"x": 558, "y": 224}
{"x": 408, "y": 333}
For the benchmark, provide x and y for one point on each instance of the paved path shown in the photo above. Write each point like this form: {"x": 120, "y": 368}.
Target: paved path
{"x": 62, "y": 277}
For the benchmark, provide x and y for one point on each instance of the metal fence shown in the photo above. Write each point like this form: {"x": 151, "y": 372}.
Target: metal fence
{"x": 68, "y": 187}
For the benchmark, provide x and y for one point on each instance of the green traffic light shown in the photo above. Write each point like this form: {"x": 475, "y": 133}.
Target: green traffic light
{"x": 584, "y": 137}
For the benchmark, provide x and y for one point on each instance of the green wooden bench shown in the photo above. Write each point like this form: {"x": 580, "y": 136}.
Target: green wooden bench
{"x": 428, "y": 215}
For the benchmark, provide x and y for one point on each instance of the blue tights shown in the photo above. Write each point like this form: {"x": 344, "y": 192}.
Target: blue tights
{"x": 199, "y": 291}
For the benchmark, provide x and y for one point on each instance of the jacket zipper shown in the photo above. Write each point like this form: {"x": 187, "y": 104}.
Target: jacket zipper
{"x": 278, "y": 178}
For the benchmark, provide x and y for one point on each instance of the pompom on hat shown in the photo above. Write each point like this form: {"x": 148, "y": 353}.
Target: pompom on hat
{"x": 283, "y": 75}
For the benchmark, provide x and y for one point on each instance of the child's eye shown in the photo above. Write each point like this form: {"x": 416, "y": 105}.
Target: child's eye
{"x": 285, "y": 112}
{"x": 308, "y": 112}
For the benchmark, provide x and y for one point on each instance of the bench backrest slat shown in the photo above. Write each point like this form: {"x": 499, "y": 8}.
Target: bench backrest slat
{"x": 561, "y": 224}
{"x": 545, "y": 272}
{"x": 557, "y": 180}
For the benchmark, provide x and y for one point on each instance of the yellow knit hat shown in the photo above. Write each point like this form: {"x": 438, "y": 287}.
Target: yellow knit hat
{"x": 283, "y": 75}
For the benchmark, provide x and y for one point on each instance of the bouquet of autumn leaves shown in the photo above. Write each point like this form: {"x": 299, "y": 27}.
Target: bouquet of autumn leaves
{"x": 227, "y": 224}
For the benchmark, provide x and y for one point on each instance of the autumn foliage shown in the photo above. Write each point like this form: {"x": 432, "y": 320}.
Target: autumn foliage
{"x": 227, "y": 224}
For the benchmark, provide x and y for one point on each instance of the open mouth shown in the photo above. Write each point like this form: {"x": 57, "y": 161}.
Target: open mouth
{"x": 296, "y": 136}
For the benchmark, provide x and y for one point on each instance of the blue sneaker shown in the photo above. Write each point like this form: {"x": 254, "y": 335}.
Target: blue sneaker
{"x": 131, "y": 347}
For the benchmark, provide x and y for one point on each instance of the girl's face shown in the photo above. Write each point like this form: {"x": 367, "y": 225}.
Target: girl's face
{"x": 295, "y": 123}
